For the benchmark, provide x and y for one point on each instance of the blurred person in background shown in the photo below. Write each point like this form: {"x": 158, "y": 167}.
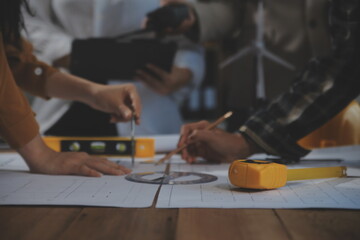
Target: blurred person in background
{"x": 17, "y": 123}
{"x": 58, "y": 22}
{"x": 320, "y": 38}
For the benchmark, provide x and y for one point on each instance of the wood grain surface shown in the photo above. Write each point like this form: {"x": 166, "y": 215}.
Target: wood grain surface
{"x": 37, "y": 223}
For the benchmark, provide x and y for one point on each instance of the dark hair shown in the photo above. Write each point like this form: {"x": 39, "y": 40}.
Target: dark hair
{"x": 11, "y": 19}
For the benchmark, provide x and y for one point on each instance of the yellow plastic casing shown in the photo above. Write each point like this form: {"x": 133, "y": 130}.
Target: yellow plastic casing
{"x": 144, "y": 147}
{"x": 257, "y": 174}
{"x": 341, "y": 130}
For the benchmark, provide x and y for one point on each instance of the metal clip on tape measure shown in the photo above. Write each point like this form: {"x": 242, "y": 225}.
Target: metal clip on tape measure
{"x": 257, "y": 174}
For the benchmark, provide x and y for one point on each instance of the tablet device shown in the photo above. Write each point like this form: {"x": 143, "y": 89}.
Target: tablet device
{"x": 109, "y": 58}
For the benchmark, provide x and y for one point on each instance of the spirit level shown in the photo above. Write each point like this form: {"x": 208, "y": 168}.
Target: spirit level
{"x": 257, "y": 174}
{"x": 105, "y": 146}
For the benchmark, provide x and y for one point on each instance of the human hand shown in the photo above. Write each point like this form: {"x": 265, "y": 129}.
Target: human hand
{"x": 174, "y": 17}
{"x": 164, "y": 83}
{"x": 213, "y": 145}
{"x": 118, "y": 100}
{"x": 42, "y": 159}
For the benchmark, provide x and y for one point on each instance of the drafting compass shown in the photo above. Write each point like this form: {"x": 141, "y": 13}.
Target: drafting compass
{"x": 173, "y": 178}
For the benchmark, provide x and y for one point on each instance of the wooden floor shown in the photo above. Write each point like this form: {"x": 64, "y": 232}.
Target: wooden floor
{"x": 38, "y": 223}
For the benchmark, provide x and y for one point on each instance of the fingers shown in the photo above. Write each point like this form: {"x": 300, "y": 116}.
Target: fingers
{"x": 185, "y": 133}
{"x": 158, "y": 71}
{"x": 130, "y": 101}
{"x": 116, "y": 118}
{"x": 105, "y": 166}
{"x": 190, "y": 153}
{"x": 204, "y": 136}
{"x": 195, "y": 150}
{"x": 124, "y": 114}
{"x": 85, "y": 165}
{"x": 187, "y": 129}
{"x": 157, "y": 85}
{"x": 117, "y": 166}
{"x": 124, "y": 169}
{"x": 186, "y": 24}
{"x": 163, "y": 82}
{"x": 86, "y": 171}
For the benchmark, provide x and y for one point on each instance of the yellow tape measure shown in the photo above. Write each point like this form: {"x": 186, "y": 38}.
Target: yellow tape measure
{"x": 104, "y": 146}
{"x": 257, "y": 174}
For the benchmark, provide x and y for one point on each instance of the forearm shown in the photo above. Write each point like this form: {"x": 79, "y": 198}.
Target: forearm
{"x": 42, "y": 159}
{"x": 118, "y": 100}
{"x": 70, "y": 87}
{"x": 182, "y": 78}
{"x": 324, "y": 89}
{"x": 34, "y": 152}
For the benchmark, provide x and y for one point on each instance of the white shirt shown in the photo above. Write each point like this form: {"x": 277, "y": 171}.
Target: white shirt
{"x": 58, "y": 22}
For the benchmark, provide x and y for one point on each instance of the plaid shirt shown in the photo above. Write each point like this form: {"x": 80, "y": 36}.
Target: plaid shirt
{"x": 324, "y": 88}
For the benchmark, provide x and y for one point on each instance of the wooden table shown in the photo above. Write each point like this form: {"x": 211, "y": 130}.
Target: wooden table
{"x": 105, "y": 223}
{"x": 38, "y": 222}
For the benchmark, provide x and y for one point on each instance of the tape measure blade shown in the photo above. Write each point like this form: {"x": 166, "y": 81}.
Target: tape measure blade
{"x": 315, "y": 173}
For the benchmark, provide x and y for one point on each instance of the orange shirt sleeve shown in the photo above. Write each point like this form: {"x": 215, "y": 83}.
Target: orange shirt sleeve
{"x": 17, "y": 122}
{"x": 30, "y": 74}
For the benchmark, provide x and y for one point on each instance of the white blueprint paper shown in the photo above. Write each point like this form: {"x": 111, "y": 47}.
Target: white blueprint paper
{"x": 19, "y": 187}
{"x": 320, "y": 193}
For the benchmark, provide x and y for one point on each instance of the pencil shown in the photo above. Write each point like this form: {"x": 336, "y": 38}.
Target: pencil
{"x": 211, "y": 126}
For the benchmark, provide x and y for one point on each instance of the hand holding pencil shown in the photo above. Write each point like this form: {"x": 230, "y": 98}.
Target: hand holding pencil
{"x": 189, "y": 130}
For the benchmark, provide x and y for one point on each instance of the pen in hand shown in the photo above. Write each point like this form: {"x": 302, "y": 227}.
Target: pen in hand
{"x": 211, "y": 126}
